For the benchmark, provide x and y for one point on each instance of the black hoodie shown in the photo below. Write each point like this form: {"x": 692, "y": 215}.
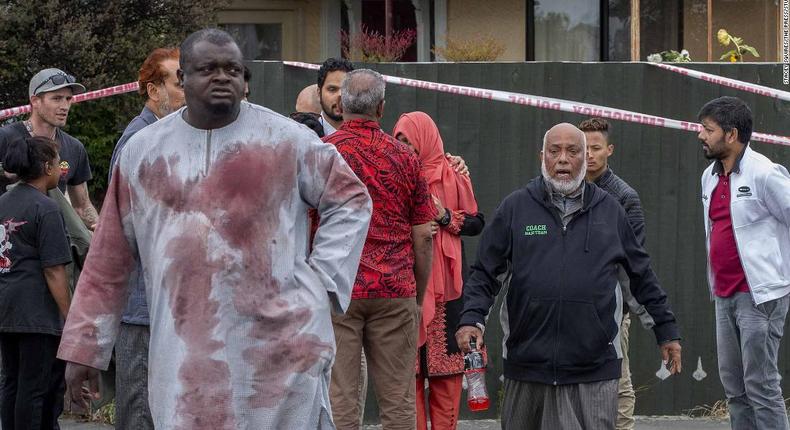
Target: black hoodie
{"x": 561, "y": 314}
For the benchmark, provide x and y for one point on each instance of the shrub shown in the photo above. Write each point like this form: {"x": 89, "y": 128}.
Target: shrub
{"x": 370, "y": 46}
{"x": 479, "y": 48}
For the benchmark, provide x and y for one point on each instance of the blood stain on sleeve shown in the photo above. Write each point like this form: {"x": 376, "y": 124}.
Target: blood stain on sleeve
{"x": 102, "y": 287}
{"x": 341, "y": 181}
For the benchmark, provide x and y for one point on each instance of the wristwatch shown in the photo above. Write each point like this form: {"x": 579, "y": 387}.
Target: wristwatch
{"x": 445, "y": 219}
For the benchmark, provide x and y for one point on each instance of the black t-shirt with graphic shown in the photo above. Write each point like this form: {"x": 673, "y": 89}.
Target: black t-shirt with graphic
{"x": 74, "y": 164}
{"x": 32, "y": 237}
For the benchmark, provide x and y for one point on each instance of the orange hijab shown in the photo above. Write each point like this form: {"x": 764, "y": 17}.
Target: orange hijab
{"x": 455, "y": 193}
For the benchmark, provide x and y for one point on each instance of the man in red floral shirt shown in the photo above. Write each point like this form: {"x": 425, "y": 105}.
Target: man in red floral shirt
{"x": 395, "y": 264}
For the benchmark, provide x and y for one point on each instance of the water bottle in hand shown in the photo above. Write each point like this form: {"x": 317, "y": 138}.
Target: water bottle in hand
{"x": 474, "y": 368}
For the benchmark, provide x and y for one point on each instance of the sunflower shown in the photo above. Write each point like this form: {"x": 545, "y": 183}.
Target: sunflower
{"x": 723, "y": 36}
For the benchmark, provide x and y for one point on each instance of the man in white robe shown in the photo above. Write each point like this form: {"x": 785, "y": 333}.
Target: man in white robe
{"x": 213, "y": 200}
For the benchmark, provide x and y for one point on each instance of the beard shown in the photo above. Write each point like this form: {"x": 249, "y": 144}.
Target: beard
{"x": 328, "y": 111}
{"x": 710, "y": 153}
{"x": 564, "y": 186}
{"x": 164, "y": 106}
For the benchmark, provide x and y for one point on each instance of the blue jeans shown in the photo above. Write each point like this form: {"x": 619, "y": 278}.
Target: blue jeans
{"x": 747, "y": 339}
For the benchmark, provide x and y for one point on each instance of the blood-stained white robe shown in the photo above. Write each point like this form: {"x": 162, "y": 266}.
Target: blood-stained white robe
{"x": 241, "y": 333}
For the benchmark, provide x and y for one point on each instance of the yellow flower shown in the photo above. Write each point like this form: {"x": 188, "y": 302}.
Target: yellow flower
{"x": 733, "y": 58}
{"x": 723, "y": 36}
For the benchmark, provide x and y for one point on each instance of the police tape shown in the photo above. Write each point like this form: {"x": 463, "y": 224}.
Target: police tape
{"x": 504, "y": 96}
{"x": 91, "y": 95}
{"x": 727, "y": 82}
{"x": 540, "y": 102}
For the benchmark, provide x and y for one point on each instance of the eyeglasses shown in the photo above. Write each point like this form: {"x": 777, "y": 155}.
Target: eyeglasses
{"x": 57, "y": 79}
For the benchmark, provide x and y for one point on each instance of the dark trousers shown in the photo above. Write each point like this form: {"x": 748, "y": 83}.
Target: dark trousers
{"x": 31, "y": 382}
{"x": 131, "y": 378}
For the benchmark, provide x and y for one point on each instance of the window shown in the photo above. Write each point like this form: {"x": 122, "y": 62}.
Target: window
{"x": 567, "y": 30}
{"x": 756, "y": 21}
{"x": 618, "y": 31}
{"x": 579, "y": 30}
{"x": 660, "y": 26}
{"x": 265, "y": 34}
{"x": 258, "y": 41}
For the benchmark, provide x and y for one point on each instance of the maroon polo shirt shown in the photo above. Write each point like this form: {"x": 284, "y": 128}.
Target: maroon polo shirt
{"x": 728, "y": 275}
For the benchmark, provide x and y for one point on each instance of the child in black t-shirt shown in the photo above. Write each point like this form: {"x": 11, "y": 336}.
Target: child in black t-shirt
{"x": 34, "y": 296}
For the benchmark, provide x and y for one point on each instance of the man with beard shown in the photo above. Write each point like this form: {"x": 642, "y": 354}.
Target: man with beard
{"x": 746, "y": 203}
{"x": 213, "y": 200}
{"x": 160, "y": 86}
{"x": 563, "y": 239}
{"x": 330, "y": 79}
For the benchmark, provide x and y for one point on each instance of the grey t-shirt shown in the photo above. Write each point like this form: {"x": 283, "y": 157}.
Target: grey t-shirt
{"x": 32, "y": 238}
{"x": 74, "y": 164}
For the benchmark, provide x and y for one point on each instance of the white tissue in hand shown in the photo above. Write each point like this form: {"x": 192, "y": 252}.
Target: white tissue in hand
{"x": 663, "y": 372}
{"x": 463, "y": 382}
{"x": 699, "y": 374}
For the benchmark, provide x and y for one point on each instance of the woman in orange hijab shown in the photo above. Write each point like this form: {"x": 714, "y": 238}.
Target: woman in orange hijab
{"x": 440, "y": 361}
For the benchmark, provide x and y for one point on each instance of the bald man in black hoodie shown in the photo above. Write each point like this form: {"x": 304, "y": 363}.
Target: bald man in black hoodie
{"x": 563, "y": 238}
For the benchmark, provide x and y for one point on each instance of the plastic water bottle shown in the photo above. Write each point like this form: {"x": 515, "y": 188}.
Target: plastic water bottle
{"x": 475, "y": 370}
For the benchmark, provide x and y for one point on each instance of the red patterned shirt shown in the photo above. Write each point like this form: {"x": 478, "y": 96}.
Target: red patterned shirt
{"x": 400, "y": 200}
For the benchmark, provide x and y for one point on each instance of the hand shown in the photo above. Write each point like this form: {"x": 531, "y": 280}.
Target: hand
{"x": 76, "y": 376}
{"x": 670, "y": 352}
{"x": 458, "y": 164}
{"x": 465, "y": 334}
{"x": 434, "y": 228}
{"x": 439, "y": 208}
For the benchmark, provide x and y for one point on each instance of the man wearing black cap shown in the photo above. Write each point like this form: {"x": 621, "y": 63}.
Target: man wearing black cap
{"x": 51, "y": 92}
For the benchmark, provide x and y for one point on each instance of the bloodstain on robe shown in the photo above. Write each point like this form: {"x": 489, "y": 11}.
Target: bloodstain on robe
{"x": 240, "y": 185}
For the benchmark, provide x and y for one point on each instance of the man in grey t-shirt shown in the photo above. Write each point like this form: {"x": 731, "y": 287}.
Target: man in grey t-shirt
{"x": 51, "y": 92}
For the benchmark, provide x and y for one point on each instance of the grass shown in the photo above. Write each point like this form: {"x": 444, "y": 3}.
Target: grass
{"x": 103, "y": 415}
{"x": 717, "y": 411}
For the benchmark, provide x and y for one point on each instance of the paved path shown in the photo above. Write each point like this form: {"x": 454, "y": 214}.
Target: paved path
{"x": 642, "y": 423}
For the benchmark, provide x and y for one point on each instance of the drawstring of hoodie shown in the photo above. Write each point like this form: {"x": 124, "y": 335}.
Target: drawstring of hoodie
{"x": 587, "y": 236}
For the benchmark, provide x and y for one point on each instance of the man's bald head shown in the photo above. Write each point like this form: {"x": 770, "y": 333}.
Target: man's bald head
{"x": 563, "y": 158}
{"x": 564, "y": 131}
{"x": 307, "y": 100}
{"x": 363, "y": 92}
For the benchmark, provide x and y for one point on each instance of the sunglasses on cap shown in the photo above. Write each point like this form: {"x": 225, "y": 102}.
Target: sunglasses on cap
{"x": 58, "y": 78}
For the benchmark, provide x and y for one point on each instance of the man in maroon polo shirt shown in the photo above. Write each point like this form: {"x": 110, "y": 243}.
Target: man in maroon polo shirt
{"x": 395, "y": 264}
{"x": 746, "y": 202}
